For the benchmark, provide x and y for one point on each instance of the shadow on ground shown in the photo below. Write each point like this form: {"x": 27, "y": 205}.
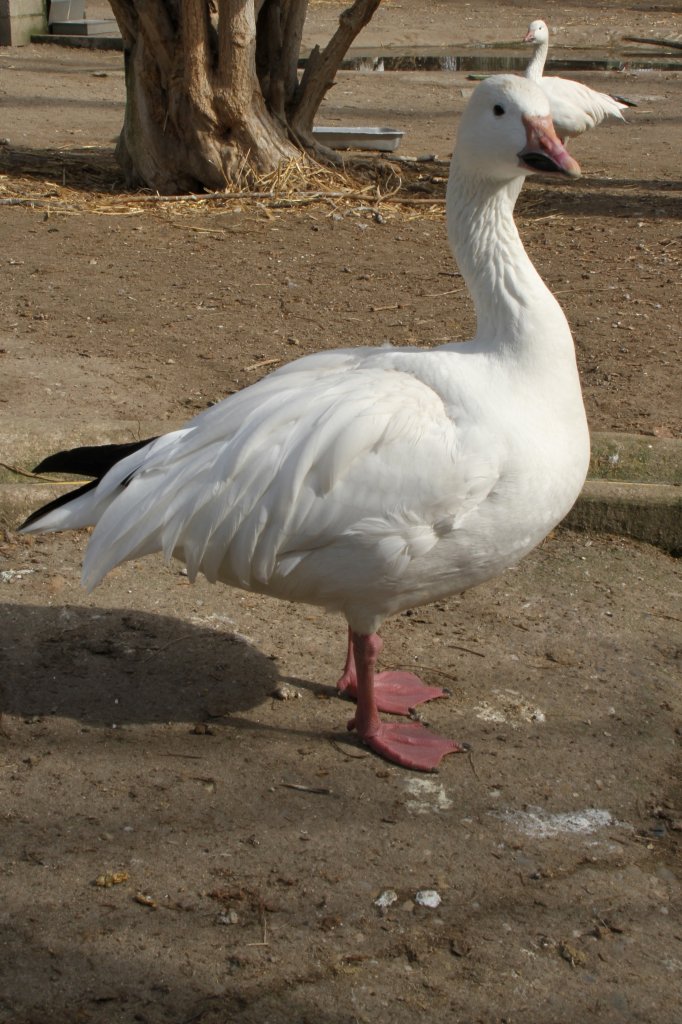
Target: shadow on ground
{"x": 116, "y": 666}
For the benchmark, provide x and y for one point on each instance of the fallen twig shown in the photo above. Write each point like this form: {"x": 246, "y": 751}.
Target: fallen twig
{"x": 675, "y": 44}
{"x": 40, "y": 478}
{"x": 458, "y": 647}
{"x": 262, "y": 362}
{"x": 185, "y": 757}
{"x": 321, "y": 790}
{"x": 471, "y": 764}
{"x": 157, "y": 650}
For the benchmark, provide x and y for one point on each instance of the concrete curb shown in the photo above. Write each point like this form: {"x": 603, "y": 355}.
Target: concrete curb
{"x": 647, "y": 512}
{"x": 633, "y": 489}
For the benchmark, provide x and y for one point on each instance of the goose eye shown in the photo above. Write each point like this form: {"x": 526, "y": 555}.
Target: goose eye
{"x": 498, "y": 111}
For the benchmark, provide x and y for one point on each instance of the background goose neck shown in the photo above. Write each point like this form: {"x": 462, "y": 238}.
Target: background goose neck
{"x": 536, "y": 65}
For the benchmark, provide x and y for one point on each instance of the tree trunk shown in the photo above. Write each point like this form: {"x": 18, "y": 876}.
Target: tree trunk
{"x": 322, "y": 66}
{"x": 213, "y": 96}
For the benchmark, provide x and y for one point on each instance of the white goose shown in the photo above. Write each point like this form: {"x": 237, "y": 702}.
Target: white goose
{"x": 371, "y": 480}
{"x": 575, "y": 107}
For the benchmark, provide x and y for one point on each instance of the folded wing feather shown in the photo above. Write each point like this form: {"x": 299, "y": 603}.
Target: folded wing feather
{"x": 255, "y": 485}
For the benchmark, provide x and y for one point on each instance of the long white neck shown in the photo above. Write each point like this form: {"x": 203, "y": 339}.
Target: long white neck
{"x": 536, "y": 65}
{"x": 515, "y": 311}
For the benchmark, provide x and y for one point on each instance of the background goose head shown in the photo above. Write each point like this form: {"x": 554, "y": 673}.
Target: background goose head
{"x": 537, "y": 33}
{"x": 506, "y": 132}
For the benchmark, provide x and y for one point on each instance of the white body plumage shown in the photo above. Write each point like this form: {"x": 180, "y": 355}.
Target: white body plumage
{"x": 371, "y": 480}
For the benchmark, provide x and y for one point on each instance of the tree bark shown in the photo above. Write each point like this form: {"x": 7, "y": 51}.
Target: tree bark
{"x": 212, "y": 90}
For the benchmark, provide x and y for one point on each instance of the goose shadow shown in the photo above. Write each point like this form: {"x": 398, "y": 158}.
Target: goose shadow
{"x": 99, "y": 666}
{"x": 602, "y": 197}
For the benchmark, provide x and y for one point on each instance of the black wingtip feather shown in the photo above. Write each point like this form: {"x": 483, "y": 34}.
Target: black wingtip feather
{"x": 89, "y": 460}
{"x": 63, "y": 499}
{"x": 622, "y": 99}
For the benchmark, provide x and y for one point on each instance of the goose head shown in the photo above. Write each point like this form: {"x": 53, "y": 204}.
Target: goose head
{"x": 506, "y": 132}
{"x": 537, "y": 33}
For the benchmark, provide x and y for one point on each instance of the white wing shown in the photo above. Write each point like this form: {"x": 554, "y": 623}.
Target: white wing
{"x": 339, "y": 468}
{"x": 576, "y": 108}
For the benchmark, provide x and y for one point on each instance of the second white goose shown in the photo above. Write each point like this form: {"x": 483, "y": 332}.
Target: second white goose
{"x": 575, "y": 107}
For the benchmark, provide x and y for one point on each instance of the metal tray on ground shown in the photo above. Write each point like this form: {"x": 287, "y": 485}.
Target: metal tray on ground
{"x": 384, "y": 139}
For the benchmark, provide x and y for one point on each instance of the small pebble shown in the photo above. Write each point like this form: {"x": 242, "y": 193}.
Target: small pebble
{"x": 229, "y": 917}
{"x": 286, "y": 692}
{"x": 428, "y": 898}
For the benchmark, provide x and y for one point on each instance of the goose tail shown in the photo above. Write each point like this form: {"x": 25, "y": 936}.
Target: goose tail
{"x": 623, "y": 101}
{"x": 84, "y": 506}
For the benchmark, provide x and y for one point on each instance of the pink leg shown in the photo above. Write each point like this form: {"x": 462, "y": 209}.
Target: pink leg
{"x": 409, "y": 744}
{"x": 396, "y": 692}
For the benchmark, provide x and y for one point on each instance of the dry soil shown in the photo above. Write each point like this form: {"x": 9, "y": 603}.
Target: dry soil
{"x": 179, "y": 845}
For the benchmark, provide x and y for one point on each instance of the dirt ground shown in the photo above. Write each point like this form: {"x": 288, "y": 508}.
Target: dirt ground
{"x": 242, "y": 841}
